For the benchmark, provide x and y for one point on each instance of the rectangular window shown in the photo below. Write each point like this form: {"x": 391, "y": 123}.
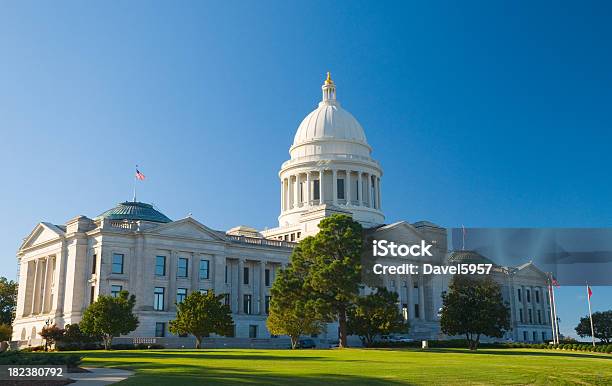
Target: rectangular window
{"x": 246, "y": 304}
{"x": 519, "y": 295}
{"x": 416, "y": 311}
{"x": 521, "y": 315}
{"x": 94, "y": 263}
{"x": 226, "y": 298}
{"x": 117, "y": 263}
{"x": 267, "y": 304}
{"x": 528, "y": 296}
{"x": 182, "y": 267}
{"x": 160, "y": 265}
{"x": 226, "y": 273}
{"x": 293, "y": 237}
{"x": 245, "y": 275}
{"x": 204, "y": 269}
{"x": 357, "y": 189}
{"x": 115, "y": 289}
{"x": 181, "y": 294}
{"x": 539, "y": 317}
{"x": 543, "y": 336}
{"x": 301, "y": 192}
{"x": 92, "y": 294}
{"x": 158, "y": 298}
{"x": 267, "y": 278}
{"x": 252, "y": 331}
{"x": 525, "y": 336}
{"x": 534, "y": 336}
{"x": 530, "y": 316}
{"x": 160, "y": 329}
{"x": 537, "y": 295}
{"x": 315, "y": 190}
{"x": 340, "y": 188}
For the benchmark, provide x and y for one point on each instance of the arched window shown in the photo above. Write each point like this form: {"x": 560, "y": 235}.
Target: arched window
{"x": 33, "y": 336}
{"x": 23, "y": 334}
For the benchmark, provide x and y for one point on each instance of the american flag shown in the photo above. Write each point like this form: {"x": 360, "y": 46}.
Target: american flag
{"x": 139, "y": 175}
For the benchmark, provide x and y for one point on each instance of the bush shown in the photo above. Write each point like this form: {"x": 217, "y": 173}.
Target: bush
{"x": 39, "y": 358}
{"x": 152, "y": 346}
{"x": 33, "y": 349}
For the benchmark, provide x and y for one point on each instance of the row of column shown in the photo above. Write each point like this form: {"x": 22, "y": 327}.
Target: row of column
{"x": 408, "y": 291}
{"x": 534, "y": 305}
{"x": 39, "y": 286}
{"x": 293, "y": 194}
{"x": 262, "y": 285}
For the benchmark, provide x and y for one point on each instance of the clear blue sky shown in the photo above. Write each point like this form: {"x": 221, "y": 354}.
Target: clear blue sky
{"x": 483, "y": 114}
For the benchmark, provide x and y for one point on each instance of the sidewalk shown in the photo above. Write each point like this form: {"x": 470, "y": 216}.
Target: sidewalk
{"x": 99, "y": 376}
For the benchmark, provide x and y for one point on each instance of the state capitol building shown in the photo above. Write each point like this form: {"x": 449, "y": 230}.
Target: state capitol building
{"x": 64, "y": 267}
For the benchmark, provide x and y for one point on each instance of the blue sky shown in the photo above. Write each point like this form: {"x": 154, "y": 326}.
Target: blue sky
{"x": 481, "y": 113}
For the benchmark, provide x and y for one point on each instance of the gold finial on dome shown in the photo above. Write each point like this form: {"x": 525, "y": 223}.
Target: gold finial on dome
{"x": 329, "y": 79}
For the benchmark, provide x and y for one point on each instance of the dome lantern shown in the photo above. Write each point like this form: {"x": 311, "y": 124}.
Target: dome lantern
{"x": 329, "y": 89}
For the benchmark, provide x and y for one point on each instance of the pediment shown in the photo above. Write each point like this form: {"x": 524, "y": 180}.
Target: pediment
{"x": 186, "y": 228}
{"x": 42, "y": 233}
{"x": 400, "y": 232}
{"x": 530, "y": 271}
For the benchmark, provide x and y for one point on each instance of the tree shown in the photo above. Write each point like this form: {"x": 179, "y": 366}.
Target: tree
{"x": 8, "y": 300}
{"x": 334, "y": 269}
{"x": 375, "y": 314}
{"x": 51, "y": 334}
{"x": 292, "y": 311}
{"x": 6, "y": 331}
{"x": 201, "y": 315}
{"x": 474, "y": 307}
{"x": 602, "y": 326}
{"x": 110, "y": 316}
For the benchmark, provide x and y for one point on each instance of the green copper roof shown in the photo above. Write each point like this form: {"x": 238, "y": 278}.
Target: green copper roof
{"x": 134, "y": 211}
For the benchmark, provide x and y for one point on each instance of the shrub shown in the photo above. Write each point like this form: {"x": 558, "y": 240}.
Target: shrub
{"x": 33, "y": 349}
{"x": 39, "y": 358}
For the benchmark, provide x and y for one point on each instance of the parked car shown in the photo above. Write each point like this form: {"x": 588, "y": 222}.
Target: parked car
{"x": 306, "y": 343}
{"x": 397, "y": 339}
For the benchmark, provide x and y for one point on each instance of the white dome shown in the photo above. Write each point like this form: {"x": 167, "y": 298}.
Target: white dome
{"x": 329, "y": 121}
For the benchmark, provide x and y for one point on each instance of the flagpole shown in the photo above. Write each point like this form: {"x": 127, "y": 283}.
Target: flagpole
{"x": 134, "y": 198}
{"x": 590, "y": 314}
{"x": 463, "y": 237}
{"x": 555, "y": 312}
{"x": 552, "y": 314}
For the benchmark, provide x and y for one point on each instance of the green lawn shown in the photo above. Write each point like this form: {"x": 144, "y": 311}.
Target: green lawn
{"x": 357, "y": 366}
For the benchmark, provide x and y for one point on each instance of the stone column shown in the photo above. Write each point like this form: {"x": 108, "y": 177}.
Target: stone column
{"x": 348, "y": 187}
{"x": 335, "y": 186}
{"x": 262, "y": 287}
{"x": 286, "y": 183}
{"x": 321, "y": 186}
{"x": 45, "y": 286}
{"x": 35, "y": 288}
{"x": 282, "y": 195}
{"x": 239, "y": 286}
{"x": 421, "y": 297}
{"x": 379, "y": 197}
{"x": 307, "y": 190}
{"x": 410, "y": 291}
{"x": 359, "y": 188}
{"x": 296, "y": 195}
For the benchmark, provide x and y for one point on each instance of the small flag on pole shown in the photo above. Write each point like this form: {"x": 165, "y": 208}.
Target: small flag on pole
{"x": 139, "y": 175}
{"x": 589, "y": 291}
{"x": 555, "y": 282}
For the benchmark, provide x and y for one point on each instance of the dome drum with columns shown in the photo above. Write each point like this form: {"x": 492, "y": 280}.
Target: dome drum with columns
{"x": 331, "y": 168}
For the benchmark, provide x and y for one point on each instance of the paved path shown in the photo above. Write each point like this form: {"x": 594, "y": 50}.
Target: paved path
{"x": 99, "y": 376}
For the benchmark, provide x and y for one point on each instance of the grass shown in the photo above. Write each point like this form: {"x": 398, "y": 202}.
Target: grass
{"x": 357, "y": 367}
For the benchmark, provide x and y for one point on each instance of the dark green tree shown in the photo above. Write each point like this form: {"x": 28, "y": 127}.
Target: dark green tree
{"x": 110, "y": 316}
{"x": 51, "y": 334}
{"x": 292, "y": 310}
{"x": 375, "y": 314}
{"x": 602, "y": 326}
{"x": 334, "y": 269}
{"x": 8, "y": 300}
{"x": 6, "y": 332}
{"x": 473, "y": 307}
{"x": 201, "y": 315}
